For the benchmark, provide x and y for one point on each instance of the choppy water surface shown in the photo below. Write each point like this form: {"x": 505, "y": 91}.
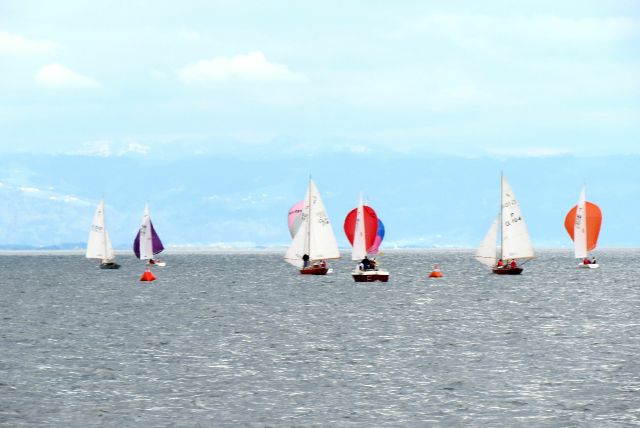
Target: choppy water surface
{"x": 243, "y": 340}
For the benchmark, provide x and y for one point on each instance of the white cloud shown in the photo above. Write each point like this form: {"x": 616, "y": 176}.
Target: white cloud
{"x": 475, "y": 31}
{"x": 49, "y": 193}
{"x": 531, "y": 152}
{"x": 30, "y": 189}
{"x": 359, "y": 149}
{"x": 133, "y": 147}
{"x": 58, "y": 76}
{"x": 64, "y": 198}
{"x": 11, "y": 44}
{"x": 99, "y": 148}
{"x": 107, "y": 148}
{"x": 250, "y": 67}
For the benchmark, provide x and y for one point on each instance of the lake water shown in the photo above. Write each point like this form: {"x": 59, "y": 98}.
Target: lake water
{"x": 239, "y": 339}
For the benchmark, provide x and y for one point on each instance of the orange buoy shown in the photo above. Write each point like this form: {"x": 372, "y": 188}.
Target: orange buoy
{"x": 147, "y": 276}
{"x": 435, "y": 273}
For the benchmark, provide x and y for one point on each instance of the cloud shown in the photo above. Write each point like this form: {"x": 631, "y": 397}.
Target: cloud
{"x": 133, "y": 147}
{"x": 11, "y": 44}
{"x": 107, "y": 148}
{"x": 49, "y": 194}
{"x": 253, "y": 66}
{"x": 531, "y": 152}
{"x": 359, "y": 149}
{"x": 30, "y": 189}
{"x": 99, "y": 148}
{"x": 240, "y": 202}
{"x": 491, "y": 34}
{"x": 58, "y": 76}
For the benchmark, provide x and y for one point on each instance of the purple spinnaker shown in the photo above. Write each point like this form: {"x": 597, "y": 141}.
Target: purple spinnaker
{"x": 156, "y": 243}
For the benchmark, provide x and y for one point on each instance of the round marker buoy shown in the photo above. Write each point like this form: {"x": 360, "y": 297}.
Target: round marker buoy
{"x": 435, "y": 273}
{"x": 147, "y": 276}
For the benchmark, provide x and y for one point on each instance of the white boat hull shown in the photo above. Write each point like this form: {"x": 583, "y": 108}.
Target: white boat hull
{"x": 588, "y": 266}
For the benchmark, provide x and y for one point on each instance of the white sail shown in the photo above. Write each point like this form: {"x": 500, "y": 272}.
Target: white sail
{"x": 146, "y": 238}
{"x": 487, "y": 252}
{"x": 359, "y": 250}
{"x": 322, "y": 241}
{"x": 580, "y": 228}
{"x": 516, "y": 243}
{"x": 315, "y": 236}
{"x": 111, "y": 255}
{"x": 99, "y": 244}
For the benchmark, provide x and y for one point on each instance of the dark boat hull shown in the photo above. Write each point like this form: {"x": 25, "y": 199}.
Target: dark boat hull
{"x": 314, "y": 270}
{"x": 109, "y": 266}
{"x": 371, "y": 276}
{"x": 507, "y": 271}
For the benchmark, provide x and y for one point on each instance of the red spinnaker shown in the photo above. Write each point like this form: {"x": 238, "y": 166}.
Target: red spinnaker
{"x": 594, "y": 221}
{"x": 370, "y": 225}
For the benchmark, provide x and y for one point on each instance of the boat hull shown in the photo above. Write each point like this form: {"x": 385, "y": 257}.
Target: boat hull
{"x": 589, "y": 266}
{"x": 507, "y": 271}
{"x": 314, "y": 270}
{"x": 370, "y": 276}
{"x": 112, "y": 265}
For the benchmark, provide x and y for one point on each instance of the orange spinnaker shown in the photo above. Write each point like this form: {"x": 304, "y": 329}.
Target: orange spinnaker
{"x": 594, "y": 221}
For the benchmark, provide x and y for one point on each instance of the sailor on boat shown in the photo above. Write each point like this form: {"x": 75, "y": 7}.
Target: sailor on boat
{"x": 365, "y": 264}
{"x": 305, "y": 260}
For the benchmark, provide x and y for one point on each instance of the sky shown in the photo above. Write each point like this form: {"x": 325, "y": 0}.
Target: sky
{"x": 248, "y": 98}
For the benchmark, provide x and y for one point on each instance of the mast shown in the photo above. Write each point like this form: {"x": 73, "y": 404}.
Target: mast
{"x": 309, "y": 220}
{"x": 501, "y": 219}
{"x": 104, "y": 233}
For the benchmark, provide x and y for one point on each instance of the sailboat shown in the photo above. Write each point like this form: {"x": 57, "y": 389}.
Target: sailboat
{"x": 515, "y": 243}
{"x": 361, "y": 228}
{"x": 99, "y": 245}
{"x": 314, "y": 242}
{"x": 583, "y": 223}
{"x": 147, "y": 243}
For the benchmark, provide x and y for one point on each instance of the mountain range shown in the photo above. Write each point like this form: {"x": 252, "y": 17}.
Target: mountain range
{"x": 226, "y": 201}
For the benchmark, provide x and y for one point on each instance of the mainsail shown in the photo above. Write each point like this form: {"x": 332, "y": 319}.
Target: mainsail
{"x": 147, "y": 242}
{"x": 99, "y": 244}
{"x": 359, "y": 250}
{"x": 516, "y": 243}
{"x": 580, "y": 227}
{"x": 315, "y": 235}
